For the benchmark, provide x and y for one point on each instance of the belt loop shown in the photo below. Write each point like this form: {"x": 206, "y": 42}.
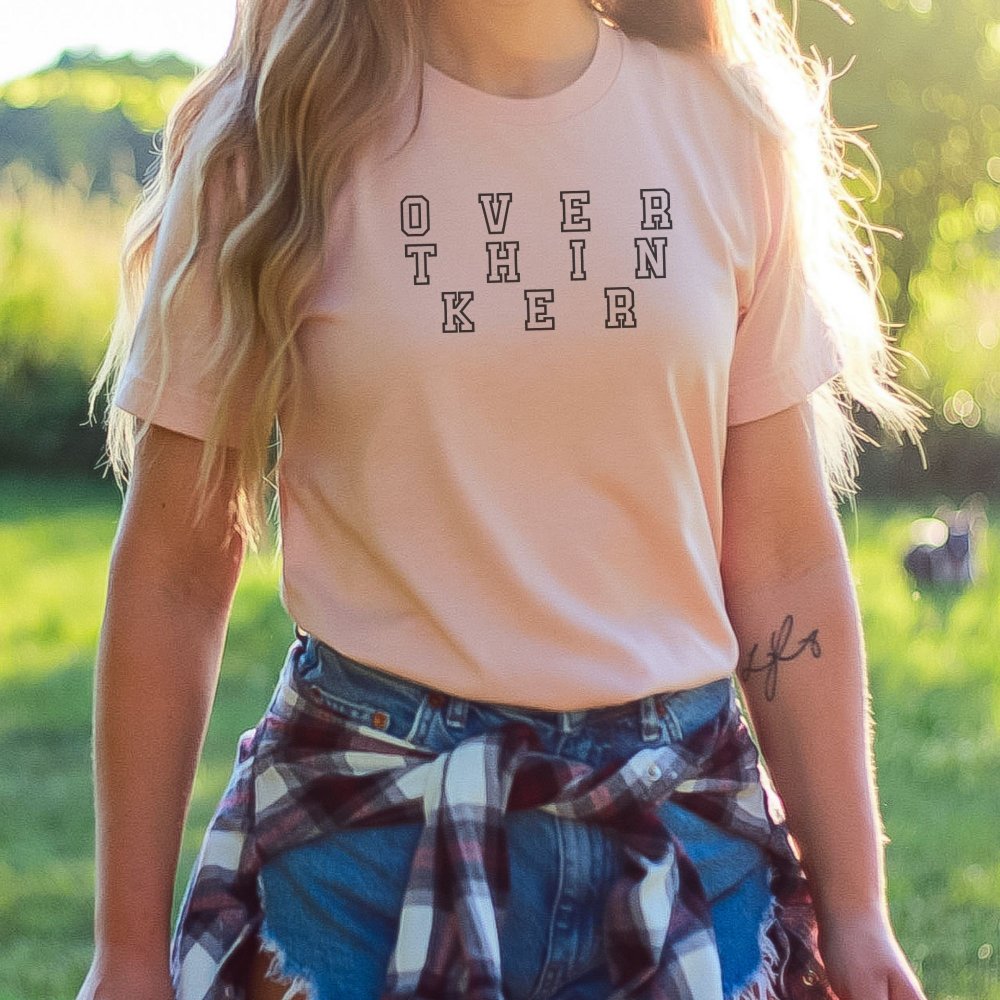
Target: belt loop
{"x": 674, "y": 728}
{"x": 299, "y": 633}
{"x": 456, "y": 713}
{"x": 649, "y": 718}
{"x": 572, "y": 721}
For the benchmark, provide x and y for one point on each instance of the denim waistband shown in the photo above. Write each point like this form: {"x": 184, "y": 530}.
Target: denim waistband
{"x": 680, "y": 712}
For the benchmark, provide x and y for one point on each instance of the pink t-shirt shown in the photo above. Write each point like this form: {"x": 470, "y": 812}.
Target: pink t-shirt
{"x": 536, "y": 321}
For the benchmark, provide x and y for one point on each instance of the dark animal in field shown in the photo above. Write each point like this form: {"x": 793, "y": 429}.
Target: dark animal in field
{"x": 944, "y": 548}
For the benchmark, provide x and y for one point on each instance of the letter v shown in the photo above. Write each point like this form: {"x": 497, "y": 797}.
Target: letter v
{"x": 495, "y": 208}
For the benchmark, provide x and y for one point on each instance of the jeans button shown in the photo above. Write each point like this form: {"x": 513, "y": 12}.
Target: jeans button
{"x": 653, "y": 772}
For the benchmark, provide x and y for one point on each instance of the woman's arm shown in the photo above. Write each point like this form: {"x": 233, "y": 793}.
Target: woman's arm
{"x": 170, "y": 592}
{"x": 791, "y": 600}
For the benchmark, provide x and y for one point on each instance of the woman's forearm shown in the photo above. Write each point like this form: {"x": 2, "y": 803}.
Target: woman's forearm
{"x": 156, "y": 673}
{"x": 803, "y": 673}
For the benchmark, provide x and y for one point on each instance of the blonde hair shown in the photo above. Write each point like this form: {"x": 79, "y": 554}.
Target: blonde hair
{"x": 306, "y": 84}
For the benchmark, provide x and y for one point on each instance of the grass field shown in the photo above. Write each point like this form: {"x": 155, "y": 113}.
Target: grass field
{"x": 935, "y": 666}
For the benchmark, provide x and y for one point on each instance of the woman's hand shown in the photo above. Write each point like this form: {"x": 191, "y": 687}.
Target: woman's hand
{"x": 863, "y": 959}
{"x": 126, "y": 979}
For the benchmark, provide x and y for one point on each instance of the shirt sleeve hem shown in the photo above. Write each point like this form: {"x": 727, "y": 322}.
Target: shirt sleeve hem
{"x": 177, "y": 410}
{"x": 772, "y": 393}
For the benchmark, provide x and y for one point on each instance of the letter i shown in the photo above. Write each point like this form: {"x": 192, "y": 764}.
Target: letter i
{"x": 577, "y": 247}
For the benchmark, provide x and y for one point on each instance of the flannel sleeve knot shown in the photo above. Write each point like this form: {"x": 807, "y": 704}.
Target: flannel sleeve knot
{"x": 306, "y": 777}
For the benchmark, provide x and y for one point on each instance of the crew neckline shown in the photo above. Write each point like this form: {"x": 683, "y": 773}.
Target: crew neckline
{"x": 575, "y": 97}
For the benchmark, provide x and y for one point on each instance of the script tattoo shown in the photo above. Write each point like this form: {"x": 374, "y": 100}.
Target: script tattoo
{"x": 777, "y": 655}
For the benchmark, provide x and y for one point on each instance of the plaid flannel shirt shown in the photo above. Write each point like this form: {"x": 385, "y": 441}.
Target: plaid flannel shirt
{"x": 303, "y": 771}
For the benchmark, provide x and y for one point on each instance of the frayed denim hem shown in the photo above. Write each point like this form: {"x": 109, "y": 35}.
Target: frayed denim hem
{"x": 298, "y": 984}
{"x": 765, "y": 982}
{"x": 790, "y": 966}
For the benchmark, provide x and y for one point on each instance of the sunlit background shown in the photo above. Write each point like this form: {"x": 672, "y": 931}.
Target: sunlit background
{"x": 34, "y": 36}
{"x": 84, "y": 89}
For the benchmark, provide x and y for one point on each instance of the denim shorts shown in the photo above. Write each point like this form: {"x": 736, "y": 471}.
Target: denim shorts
{"x": 331, "y": 905}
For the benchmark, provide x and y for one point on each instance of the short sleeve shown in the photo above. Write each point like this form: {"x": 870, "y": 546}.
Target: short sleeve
{"x": 192, "y": 388}
{"x": 783, "y": 348}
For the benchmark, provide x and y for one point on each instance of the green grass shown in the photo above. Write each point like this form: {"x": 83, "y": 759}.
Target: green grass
{"x": 933, "y": 662}
{"x": 935, "y": 673}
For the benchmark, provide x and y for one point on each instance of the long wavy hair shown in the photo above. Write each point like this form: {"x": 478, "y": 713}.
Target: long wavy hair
{"x": 306, "y": 84}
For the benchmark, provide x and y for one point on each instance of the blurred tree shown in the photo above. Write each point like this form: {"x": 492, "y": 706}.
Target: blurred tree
{"x": 91, "y": 114}
{"x": 926, "y": 74}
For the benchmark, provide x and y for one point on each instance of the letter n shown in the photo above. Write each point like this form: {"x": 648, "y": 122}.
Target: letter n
{"x": 651, "y": 257}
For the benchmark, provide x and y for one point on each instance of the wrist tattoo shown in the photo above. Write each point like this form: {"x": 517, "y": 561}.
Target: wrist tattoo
{"x": 777, "y": 655}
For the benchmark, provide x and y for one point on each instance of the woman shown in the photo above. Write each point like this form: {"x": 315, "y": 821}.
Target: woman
{"x": 560, "y": 309}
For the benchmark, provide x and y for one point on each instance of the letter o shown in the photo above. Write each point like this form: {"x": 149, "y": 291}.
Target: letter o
{"x": 415, "y": 215}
